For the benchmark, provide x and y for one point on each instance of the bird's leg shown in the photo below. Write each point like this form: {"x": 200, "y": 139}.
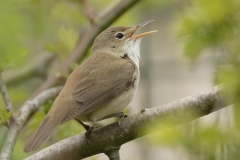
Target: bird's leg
{"x": 121, "y": 115}
{"x": 88, "y": 129}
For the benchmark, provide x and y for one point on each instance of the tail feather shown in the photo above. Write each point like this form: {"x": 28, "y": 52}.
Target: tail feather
{"x": 42, "y": 133}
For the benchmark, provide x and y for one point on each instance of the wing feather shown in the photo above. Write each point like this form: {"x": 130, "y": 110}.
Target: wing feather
{"x": 96, "y": 87}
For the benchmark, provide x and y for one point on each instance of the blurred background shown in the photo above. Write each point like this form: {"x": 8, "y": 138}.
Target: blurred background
{"x": 196, "y": 47}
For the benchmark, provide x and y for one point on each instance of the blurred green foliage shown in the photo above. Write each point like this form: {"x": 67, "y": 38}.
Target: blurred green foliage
{"x": 12, "y": 51}
{"x": 68, "y": 129}
{"x": 215, "y": 25}
{"x": 66, "y": 43}
{"x": 206, "y": 24}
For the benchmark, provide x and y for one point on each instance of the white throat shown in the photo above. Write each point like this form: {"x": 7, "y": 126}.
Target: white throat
{"x": 132, "y": 48}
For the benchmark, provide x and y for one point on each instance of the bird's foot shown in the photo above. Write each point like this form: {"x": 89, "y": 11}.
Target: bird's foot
{"x": 88, "y": 129}
{"x": 123, "y": 115}
{"x": 121, "y": 118}
{"x": 88, "y": 132}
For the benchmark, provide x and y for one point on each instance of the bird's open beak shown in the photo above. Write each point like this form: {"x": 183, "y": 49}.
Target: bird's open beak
{"x": 136, "y": 28}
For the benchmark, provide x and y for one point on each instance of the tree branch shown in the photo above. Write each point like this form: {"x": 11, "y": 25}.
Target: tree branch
{"x": 5, "y": 94}
{"x": 101, "y": 22}
{"x": 20, "y": 117}
{"x": 114, "y": 135}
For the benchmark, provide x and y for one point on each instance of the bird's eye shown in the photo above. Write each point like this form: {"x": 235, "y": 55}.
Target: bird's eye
{"x": 119, "y": 35}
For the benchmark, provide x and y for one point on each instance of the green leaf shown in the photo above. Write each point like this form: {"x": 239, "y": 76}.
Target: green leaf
{"x": 67, "y": 39}
{"x": 4, "y": 116}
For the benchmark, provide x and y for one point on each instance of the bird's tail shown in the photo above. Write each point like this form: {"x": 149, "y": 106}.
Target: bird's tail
{"x": 42, "y": 133}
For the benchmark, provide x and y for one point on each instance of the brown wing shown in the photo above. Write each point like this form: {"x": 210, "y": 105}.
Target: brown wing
{"x": 105, "y": 77}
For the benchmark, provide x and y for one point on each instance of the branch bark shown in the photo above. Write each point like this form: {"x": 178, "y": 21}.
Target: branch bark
{"x": 20, "y": 117}
{"x": 100, "y": 23}
{"x": 5, "y": 94}
{"x": 112, "y": 136}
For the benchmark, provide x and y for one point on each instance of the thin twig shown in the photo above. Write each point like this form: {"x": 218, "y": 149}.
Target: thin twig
{"x": 20, "y": 117}
{"x": 88, "y": 11}
{"x": 134, "y": 126}
{"x": 5, "y": 95}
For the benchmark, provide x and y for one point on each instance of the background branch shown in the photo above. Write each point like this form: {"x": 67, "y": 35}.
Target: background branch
{"x": 101, "y": 22}
{"x": 114, "y": 135}
{"x": 20, "y": 117}
{"x": 88, "y": 10}
{"x": 37, "y": 68}
{"x": 5, "y": 94}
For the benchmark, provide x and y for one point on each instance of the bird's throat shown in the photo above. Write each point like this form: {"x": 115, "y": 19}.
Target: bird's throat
{"x": 132, "y": 48}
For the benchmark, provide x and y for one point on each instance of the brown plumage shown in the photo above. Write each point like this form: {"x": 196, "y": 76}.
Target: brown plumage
{"x": 102, "y": 86}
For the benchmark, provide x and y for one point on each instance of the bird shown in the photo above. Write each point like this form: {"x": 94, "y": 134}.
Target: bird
{"x": 101, "y": 87}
